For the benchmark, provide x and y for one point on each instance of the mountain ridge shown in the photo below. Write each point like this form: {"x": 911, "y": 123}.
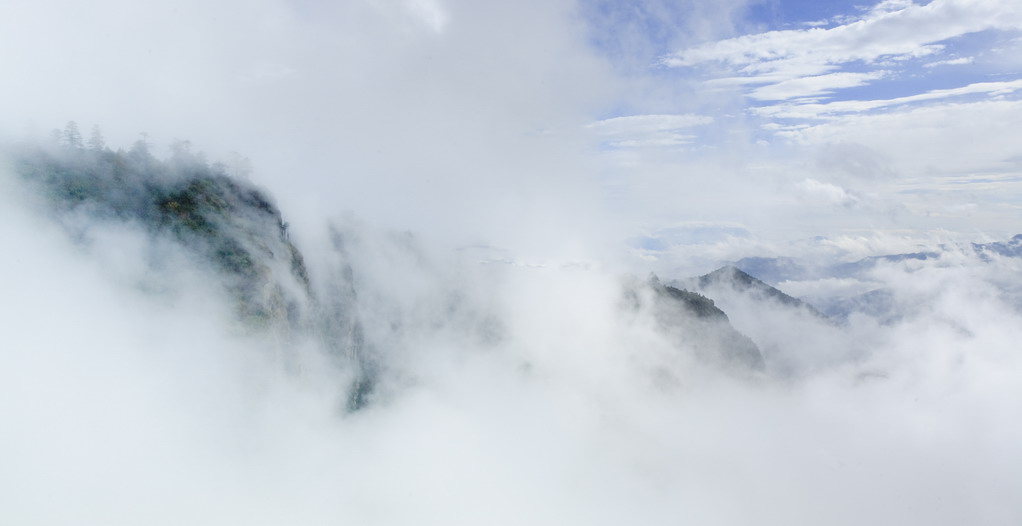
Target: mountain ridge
{"x": 741, "y": 281}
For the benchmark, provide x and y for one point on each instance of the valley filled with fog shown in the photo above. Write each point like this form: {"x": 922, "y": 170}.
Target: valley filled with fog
{"x": 401, "y": 263}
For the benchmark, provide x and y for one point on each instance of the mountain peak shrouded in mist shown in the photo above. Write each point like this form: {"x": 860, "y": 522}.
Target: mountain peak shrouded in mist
{"x": 771, "y": 270}
{"x": 390, "y": 356}
{"x": 234, "y": 232}
{"x": 760, "y": 311}
{"x": 227, "y": 223}
{"x": 696, "y": 320}
{"x": 224, "y": 225}
{"x": 425, "y": 300}
{"x": 734, "y": 278}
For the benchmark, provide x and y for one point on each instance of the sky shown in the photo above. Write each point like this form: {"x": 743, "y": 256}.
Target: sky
{"x": 840, "y": 118}
{"x": 569, "y": 146}
{"x": 559, "y": 128}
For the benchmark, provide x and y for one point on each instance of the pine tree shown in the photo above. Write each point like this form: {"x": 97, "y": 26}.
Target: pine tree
{"x": 96, "y": 142}
{"x": 72, "y": 137}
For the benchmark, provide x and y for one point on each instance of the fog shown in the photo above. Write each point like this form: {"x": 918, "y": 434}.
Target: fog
{"x": 488, "y": 205}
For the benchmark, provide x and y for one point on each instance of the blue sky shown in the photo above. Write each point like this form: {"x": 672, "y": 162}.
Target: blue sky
{"x": 848, "y": 118}
{"x": 807, "y": 62}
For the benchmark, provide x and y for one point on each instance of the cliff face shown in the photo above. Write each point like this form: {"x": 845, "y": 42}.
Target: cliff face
{"x": 226, "y": 226}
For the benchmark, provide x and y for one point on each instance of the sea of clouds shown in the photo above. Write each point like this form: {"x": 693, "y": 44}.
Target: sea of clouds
{"x": 453, "y": 141}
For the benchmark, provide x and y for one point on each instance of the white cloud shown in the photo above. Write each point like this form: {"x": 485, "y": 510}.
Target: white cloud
{"x": 816, "y": 23}
{"x": 826, "y": 193}
{"x": 939, "y": 139}
{"x": 890, "y": 6}
{"x": 825, "y": 110}
{"x": 429, "y": 12}
{"x": 335, "y": 103}
{"x": 924, "y": 167}
{"x": 648, "y": 123}
{"x": 892, "y": 31}
{"x": 951, "y": 62}
{"x": 636, "y": 131}
{"x": 156, "y": 414}
{"x": 813, "y": 86}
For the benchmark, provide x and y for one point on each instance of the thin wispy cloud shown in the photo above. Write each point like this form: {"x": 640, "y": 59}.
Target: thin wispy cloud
{"x": 890, "y": 34}
{"x": 636, "y": 131}
{"x": 906, "y": 81}
{"x": 950, "y": 62}
{"x": 810, "y": 87}
{"x": 830, "y": 109}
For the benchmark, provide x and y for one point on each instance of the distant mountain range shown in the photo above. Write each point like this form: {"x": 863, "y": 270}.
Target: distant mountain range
{"x": 735, "y": 279}
{"x": 780, "y": 269}
{"x": 1008, "y": 249}
{"x": 879, "y": 303}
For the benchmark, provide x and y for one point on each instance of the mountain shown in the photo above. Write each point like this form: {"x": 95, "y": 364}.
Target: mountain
{"x": 780, "y": 269}
{"x": 879, "y": 304}
{"x": 224, "y": 225}
{"x": 732, "y": 278}
{"x": 792, "y": 335}
{"x": 857, "y": 268}
{"x": 695, "y": 322}
{"x": 223, "y": 221}
{"x": 234, "y": 233}
{"x": 772, "y": 270}
{"x": 1010, "y": 249}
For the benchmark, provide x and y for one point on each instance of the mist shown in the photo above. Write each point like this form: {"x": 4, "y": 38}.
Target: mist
{"x": 477, "y": 195}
